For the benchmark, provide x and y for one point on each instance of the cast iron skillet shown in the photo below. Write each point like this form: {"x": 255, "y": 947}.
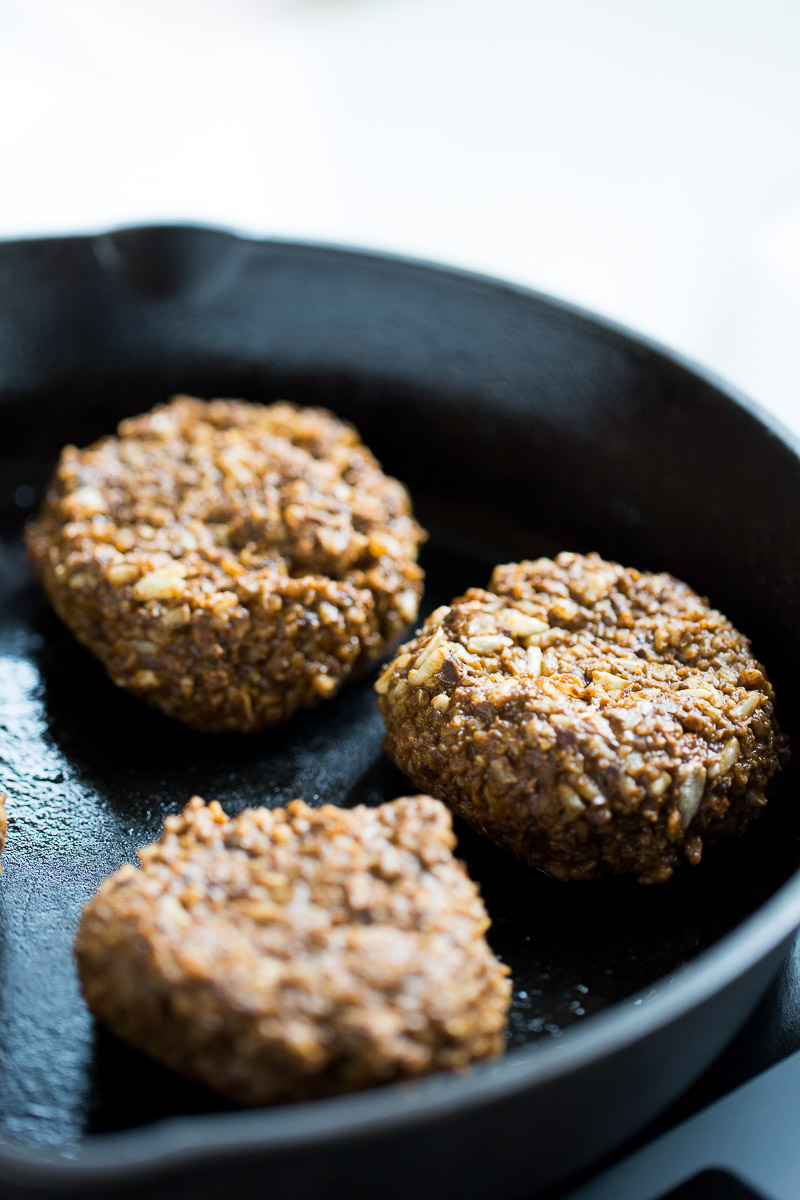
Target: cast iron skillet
{"x": 522, "y": 427}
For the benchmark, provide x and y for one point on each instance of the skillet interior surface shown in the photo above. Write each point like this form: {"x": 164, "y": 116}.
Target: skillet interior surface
{"x": 521, "y": 429}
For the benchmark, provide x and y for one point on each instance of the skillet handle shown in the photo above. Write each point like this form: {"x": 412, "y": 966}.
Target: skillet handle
{"x": 746, "y": 1145}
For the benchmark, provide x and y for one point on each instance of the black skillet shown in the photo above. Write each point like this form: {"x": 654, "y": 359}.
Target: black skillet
{"x": 522, "y": 427}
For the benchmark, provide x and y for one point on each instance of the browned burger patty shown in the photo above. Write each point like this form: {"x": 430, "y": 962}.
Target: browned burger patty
{"x": 587, "y": 716}
{"x": 229, "y": 562}
{"x": 298, "y": 952}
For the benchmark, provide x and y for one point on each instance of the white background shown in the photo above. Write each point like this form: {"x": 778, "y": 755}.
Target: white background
{"x": 639, "y": 158}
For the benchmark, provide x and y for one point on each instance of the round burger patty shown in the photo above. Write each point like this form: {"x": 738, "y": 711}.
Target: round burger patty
{"x": 229, "y": 562}
{"x": 298, "y": 952}
{"x": 587, "y": 716}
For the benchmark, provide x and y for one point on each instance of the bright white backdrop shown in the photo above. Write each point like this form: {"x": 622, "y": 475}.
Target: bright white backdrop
{"x": 637, "y": 157}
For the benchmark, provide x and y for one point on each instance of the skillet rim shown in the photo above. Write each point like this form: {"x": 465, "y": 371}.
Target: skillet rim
{"x": 172, "y": 1143}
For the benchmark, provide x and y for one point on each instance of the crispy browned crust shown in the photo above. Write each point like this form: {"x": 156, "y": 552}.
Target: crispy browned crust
{"x": 229, "y": 562}
{"x": 589, "y": 717}
{"x": 297, "y": 952}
